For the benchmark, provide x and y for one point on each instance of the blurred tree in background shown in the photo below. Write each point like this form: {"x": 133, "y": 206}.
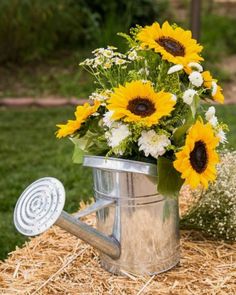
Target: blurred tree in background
{"x": 31, "y": 29}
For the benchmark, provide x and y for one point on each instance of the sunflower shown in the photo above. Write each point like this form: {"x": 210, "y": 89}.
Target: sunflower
{"x": 138, "y": 102}
{"x": 197, "y": 160}
{"x": 217, "y": 95}
{"x": 174, "y": 44}
{"x": 81, "y": 114}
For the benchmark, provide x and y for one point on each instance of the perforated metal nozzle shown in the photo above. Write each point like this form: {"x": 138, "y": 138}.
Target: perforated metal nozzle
{"x": 39, "y": 206}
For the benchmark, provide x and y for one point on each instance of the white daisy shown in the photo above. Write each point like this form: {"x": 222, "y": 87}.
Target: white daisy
{"x": 195, "y": 66}
{"x": 108, "y": 53}
{"x": 222, "y": 136}
{"x": 132, "y": 55}
{"x": 188, "y": 96}
{"x": 152, "y": 143}
{"x": 213, "y": 88}
{"x": 119, "y": 61}
{"x": 210, "y": 113}
{"x": 117, "y": 134}
{"x": 213, "y": 121}
{"x": 174, "y": 69}
{"x": 107, "y": 121}
{"x": 107, "y": 65}
{"x": 196, "y": 78}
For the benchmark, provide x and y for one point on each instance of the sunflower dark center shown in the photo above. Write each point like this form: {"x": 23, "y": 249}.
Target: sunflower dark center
{"x": 172, "y": 46}
{"x": 199, "y": 157}
{"x": 141, "y": 106}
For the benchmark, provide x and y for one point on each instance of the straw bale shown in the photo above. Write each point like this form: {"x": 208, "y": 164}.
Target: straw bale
{"x": 59, "y": 263}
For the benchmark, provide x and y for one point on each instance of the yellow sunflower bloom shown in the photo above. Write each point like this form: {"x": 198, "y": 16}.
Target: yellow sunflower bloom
{"x": 197, "y": 160}
{"x": 174, "y": 44}
{"x": 208, "y": 80}
{"x": 81, "y": 114}
{"x": 219, "y": 97}
{"x": 138, "y": 102}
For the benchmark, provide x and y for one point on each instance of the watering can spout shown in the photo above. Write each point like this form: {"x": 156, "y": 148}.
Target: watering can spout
{"x": 41, "y": 205}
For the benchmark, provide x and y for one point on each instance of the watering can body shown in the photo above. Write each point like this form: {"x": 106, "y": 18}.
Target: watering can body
{"x": 137, "y": 229}
{"x": 145, "y": 224}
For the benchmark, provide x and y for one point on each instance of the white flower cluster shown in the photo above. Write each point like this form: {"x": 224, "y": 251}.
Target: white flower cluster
{"x": 195, "y": 79}
{"x": 106, "y": 58}
{"x": 101, "y": 96}
{"x": 116, "y": 135}
{"x": 133, "y": 55}
{"x": 153, "y": 144}
{"x": 189, "y": 95}
{"x": 212, "y": 119}
{"x": 215, "y": 211}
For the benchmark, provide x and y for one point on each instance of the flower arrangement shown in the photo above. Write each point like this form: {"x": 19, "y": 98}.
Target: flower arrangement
{"x": 214, "y": 211}
{"x": 146, "y": 107}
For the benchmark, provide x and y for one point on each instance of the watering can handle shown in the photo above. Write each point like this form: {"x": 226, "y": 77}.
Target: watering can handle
{"x": 99, "y": 204}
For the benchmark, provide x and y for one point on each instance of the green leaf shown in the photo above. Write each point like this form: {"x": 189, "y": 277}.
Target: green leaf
{"x": 195, "y": 104}
{"x": 166, "y": 211}
{"x": 180, "y": 132}
{"x": 78, "y": 155}
{"x": 169, "y": 181}
{"x": 91, "y": 143}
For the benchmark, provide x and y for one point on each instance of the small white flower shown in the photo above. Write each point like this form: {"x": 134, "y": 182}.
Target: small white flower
{"x": 152, "y": 143}
{"x": 87, "y": 62}
{"x": 214, "y": 88}
{"x": 196, "y": 78}
{"x": 107, "y": 121}
{"x": 119, "y": 61}
{"x": 132, "y": 55}
{"x": 210, "y": 113}
{"x": 195, "y": 66}
{"x": 174, "y": 97}
{"x": 174, "y": 69}
{"x": 107, "y": 65}
{"x": 213, "y": 121}
{"x": 99, "y": 60}
{"x": 98, "y": 51}
{"x": 188, "y": 96}
{"x": 222, "y": 136}
{"x": 100, "y": 96}
{"x": 108, "y": 53}
{"x": 117, "y": 134}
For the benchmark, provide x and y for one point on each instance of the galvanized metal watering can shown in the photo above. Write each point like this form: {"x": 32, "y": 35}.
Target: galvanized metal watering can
{"x": 137, "y": 228}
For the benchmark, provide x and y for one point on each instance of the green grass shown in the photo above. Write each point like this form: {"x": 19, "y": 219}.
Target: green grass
{"x": 59, "y": 76}
{"x": 29, "y": 150}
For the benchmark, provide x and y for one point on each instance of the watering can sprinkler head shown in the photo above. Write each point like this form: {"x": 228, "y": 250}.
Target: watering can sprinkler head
{"x": 41, "y": 205}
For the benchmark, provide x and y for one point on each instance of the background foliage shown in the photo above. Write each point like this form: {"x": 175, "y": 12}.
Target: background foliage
{"x": 32, "y": 29}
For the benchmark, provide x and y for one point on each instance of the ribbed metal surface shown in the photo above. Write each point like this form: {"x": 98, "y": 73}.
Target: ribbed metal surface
{"x": 144, "y": 222}
{"x": 39, "y": 206}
